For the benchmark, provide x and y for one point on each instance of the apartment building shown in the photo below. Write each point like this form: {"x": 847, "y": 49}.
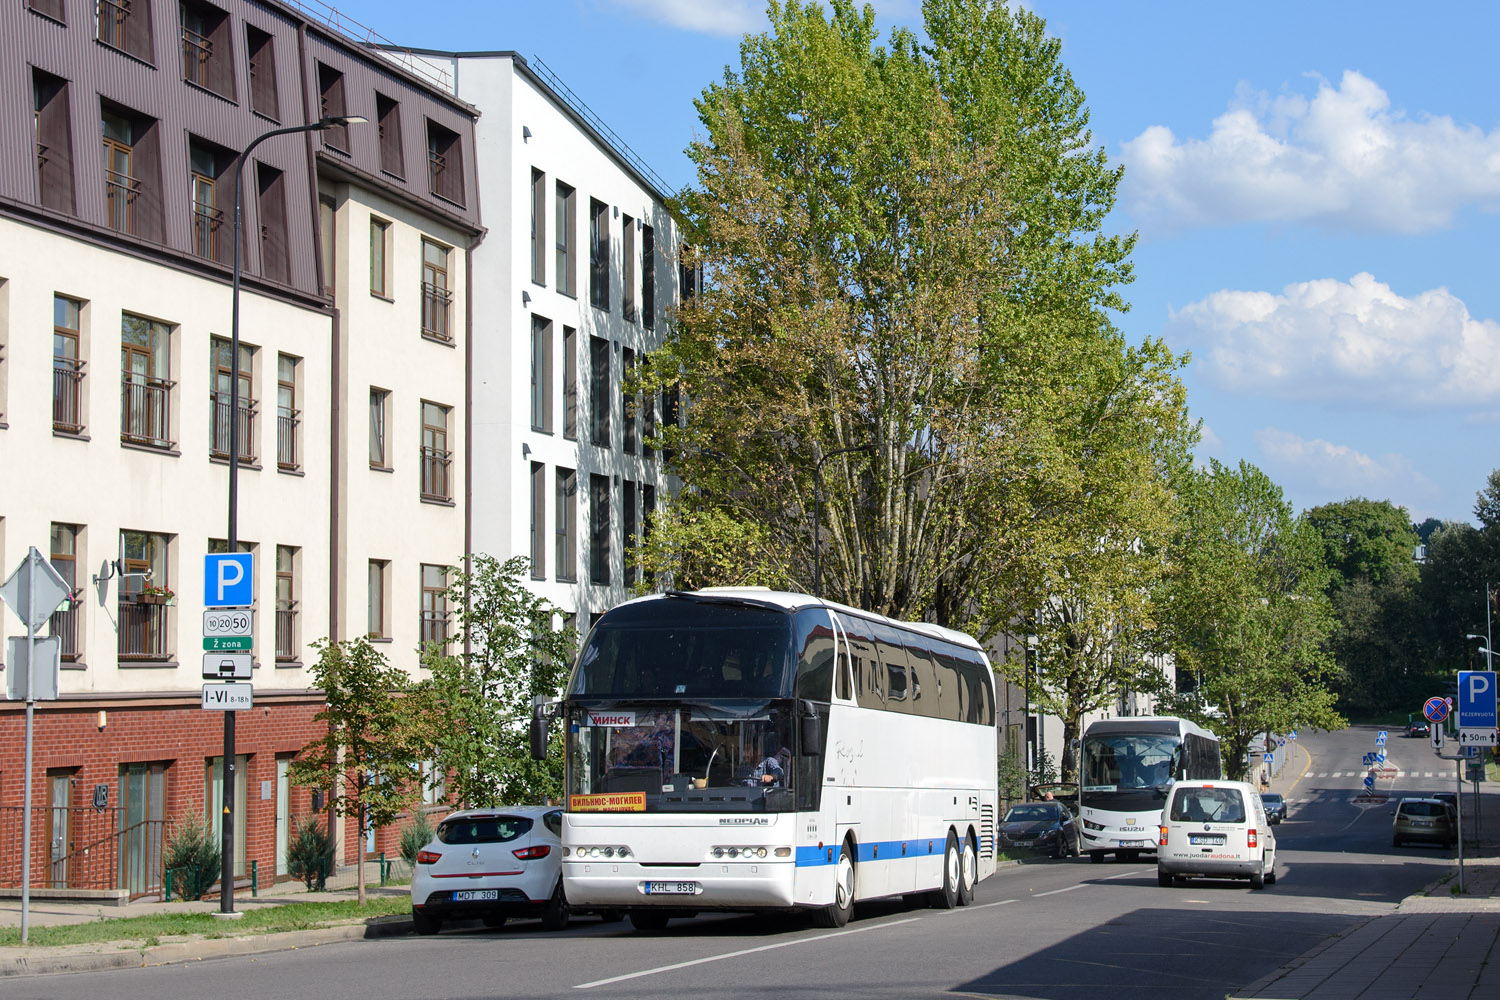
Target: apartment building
{"x": 114, "y": 449}
{"x": 573, "y": 286}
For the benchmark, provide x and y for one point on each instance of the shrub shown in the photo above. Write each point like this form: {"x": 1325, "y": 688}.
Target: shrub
{"x": 415, "y": 836}
{"x": 310, "y": 856}
{"x": 193, "y": 858}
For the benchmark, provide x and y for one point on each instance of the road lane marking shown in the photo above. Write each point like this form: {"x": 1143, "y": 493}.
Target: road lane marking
{"x": 1054, "y": 892}
{"x": 739, "y": 954}
{"x": 1143, "y": 871}
{"x": 981, "y": 906}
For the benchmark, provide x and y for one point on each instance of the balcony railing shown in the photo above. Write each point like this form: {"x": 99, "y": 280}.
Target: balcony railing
{"x": 143, "y": 630}
{"x": 145, "y": 410}
{"x": 437, "y": 166}
{"x": 286, "y": 621}
{"x": 286, "y": 438}
{"x": 112, "y": 15}
{"x": 206, "y": 224}
{"x": 434, "y": 626}
{"x": 121, "y": 191}
{"x": 436, "y": 304}
{"x": 197, "y": 50}
{"x": 220, "y": 403}
{"x": 67, "y": 395}
{"x": 435, "y": 468}
{"x": 65, "y": 627}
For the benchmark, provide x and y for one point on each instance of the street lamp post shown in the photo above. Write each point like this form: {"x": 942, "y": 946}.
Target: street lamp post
{"x": 226, "y": 830}
{"x": 818, "y": 512}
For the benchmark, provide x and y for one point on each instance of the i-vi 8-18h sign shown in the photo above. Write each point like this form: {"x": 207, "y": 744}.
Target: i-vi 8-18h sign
{"x": 1475, "y": 707}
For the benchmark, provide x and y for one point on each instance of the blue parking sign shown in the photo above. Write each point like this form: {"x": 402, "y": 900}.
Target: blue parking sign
{"x": 229, "y": 580}
{"x": 1476, "y": 699}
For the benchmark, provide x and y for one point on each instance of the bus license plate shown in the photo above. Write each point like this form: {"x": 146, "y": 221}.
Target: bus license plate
{"x": 671, "y": 888}
{"x": 476, "y": 895}
{"x": 1211, "y": 840}
{"x": 1135, "y": 843}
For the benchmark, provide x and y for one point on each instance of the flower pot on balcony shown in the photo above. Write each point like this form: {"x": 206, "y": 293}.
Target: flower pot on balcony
{"x": 152, "y": 599}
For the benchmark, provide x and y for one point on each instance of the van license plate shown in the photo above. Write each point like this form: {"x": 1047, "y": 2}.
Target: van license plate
{"x": 671, "y": 888}
{"x": 476, "y": 895}
{"x": 1212, "y": 840}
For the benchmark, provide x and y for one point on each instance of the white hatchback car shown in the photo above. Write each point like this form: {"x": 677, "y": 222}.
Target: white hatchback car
{"x": 492, "y": 864}
{"x": 1215, "y": 829}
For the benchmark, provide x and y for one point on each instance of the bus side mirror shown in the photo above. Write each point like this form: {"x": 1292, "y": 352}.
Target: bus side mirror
{"x": 538, "y": 731}
{"x": 811, "y": 731}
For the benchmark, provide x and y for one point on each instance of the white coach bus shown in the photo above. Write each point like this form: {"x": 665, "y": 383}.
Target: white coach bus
{"x": 1129, "y": 765}
{"x": 743, "y": 749}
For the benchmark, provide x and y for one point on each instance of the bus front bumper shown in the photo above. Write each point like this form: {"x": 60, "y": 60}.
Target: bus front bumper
{"x": 709, "y": 886}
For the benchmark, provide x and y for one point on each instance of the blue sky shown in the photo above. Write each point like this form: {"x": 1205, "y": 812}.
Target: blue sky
{"x": 1314, "y": 185}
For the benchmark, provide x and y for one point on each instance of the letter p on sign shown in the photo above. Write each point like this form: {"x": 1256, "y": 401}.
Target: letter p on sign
{"x": 229, "y": 580}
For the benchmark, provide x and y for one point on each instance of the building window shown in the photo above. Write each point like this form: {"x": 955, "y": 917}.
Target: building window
{"x": 436, "y": 458}
{"x": 437, "y": 297}
{"x": 145, "y": 593}
{"x": 380, "y": 235}
{"x": 566, "y": 218}
{"x": 54, "y": 141}
{"x": 627, "y": 399}
{"x": 64, "y": 558}
{"x": 378, "y": 573}
{"x": 671, "y": 406}
{"x": 126, "y": 25}
{"x": 331, "y": 105}
{"x": 627, "y": 272}
{"x": 570, "y": 383}
{"x": 538, "y": 226}
{"x": 599, "y": 394}
{"x": 67, "y": 365}
{"x": 145, "y": 388}
{"x": 52, "y": 8}
{"x": 213, "y": 804}
{"x": 445, "y": 163}
{"x": 648, "y": 510}
{"x": 567, "y": 525}
{"x": 647, "y": 403}
{"x": 288, "y": 415}
{"x": 328, "y": 237}
{"x": 380, "y": 406}
{"x": 599, "y": 528}
{"x": 434, "y": 603}
{"x": 627, "y": 531}
{"x": 689, "y": 275}
{"x": 599, "y": 254}
{"x": 275, "y": 259}
{"x": 122, "y": 189}
{"x": 209, "y": 199}
{"x": 206, "y": 47}
{"x": 538, "y": 521}
{"x": 286, "y": 603}
{"x": 648, "y": 277}
{"x": 221, "y": 388}
{"x": 262, "y": 51}
{"x": 388, "y": 122}
{"x": 541, "y": 374}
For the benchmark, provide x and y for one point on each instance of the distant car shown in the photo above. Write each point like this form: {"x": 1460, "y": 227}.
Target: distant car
{"x": 1275, "y": 806}
{"x": 1042, "y": 826}
{"x": 1428, "y": 820}
{"x": 1417, "y": 729}
{"x": 1449, "y": 799}
{"x": 492, "y": 864}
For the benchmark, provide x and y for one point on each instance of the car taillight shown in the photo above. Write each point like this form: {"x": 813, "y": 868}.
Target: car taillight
{"x": 532, "y": 853}
{"x": 1250, "y": 838}
{"x": 427, "y": 857}
{"x": 1163, "y": 841}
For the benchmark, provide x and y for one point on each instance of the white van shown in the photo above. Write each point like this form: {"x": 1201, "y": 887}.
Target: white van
{"x": 1215, "y": 829}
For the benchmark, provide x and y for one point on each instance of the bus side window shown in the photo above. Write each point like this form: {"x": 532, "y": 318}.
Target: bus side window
{"x": 841, "y": 675}
{"x": 923, "y": 680}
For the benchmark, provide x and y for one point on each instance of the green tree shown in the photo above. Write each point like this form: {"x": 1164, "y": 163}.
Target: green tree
{"x": 1245, "y": 612}
{"x": 1372, "y": 539}
{"x": 475, "y": 708}
{"x": 366, "y": 755}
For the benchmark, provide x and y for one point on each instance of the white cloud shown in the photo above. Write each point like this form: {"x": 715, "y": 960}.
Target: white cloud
{"x": 1354, "y": 342}
{"x": 1342, "y": 159}
{"x": 728, "y": 18}
{"x": 1338, "y": 471}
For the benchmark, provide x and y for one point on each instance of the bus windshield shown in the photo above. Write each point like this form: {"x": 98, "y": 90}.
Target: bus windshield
{"x": 1129, "y": 770}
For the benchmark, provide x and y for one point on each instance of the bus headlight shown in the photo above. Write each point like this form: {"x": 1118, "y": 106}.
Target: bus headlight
{"x": 1089, "y": 824}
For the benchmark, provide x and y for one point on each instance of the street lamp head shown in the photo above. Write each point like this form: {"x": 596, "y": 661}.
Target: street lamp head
{"x": 334, "y": 121}
{"x": 1471, "y": 635}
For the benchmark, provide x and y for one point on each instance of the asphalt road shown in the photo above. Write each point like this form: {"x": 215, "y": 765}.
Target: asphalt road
{"x": 1055, "y": 929}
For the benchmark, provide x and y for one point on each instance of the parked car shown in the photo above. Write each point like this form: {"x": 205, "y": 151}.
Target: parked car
{"x": 1417, "y": 729}
{"x": 1449, "y": 799}
{"x": 1065, "y": 792}
{"x": 1428, "y": 820}
{"x": 1042, "y": 826}
{"x": 1215, "y": 829}
{"x": 492, "y": 864}
{"x": 1275, "y": 806}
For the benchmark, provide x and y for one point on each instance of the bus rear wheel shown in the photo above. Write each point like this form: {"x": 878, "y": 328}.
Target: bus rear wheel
{"x": 970, "y": 872}
{"x": 947, "y": 897}
{"x": 836, "y": 914}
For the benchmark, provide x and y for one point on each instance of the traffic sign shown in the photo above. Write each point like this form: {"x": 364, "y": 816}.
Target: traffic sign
{"x": 1369, "y": 781}
{"x": 1380, "y": 757}
{"x": 43, "y": 679}
{"x": 229, "y": 621}
{"x": 243, "y": 643}
{"x": 229, "y": 580}
{"x": 227, "y": 697}
{"x": 1435, "y": 709}
{"x": 35, "y": 573}
{"x": 1476, "y": 699}
{"x": 222, "y": 666}
{"x": 1435, "y": 737}
{"x": 1268, "y": 758}
{"x": 1474, "y": 738}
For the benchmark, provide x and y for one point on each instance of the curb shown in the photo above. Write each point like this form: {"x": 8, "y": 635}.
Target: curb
{"x": 45, "y": 962}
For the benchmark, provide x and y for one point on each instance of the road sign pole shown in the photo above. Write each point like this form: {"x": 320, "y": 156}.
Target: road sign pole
{"x": 31, "y": 554}
{"x": 1458, "y": 814}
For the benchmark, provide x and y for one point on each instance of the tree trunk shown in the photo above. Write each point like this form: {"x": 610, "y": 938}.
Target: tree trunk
{"x": 1068, "y": 769}
{"x": 359, "y": 853}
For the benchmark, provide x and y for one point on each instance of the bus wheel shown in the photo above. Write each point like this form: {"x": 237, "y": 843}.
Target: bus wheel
{"x": 648, "y": 920}
{"x": 1097, "y": 857}
{"x": 947, "y": 897}
{"x": 970, "y": 873}
{"x": 836, "y": 914}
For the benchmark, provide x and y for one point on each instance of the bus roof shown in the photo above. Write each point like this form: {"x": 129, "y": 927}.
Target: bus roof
{"x": 1147, "y": 724}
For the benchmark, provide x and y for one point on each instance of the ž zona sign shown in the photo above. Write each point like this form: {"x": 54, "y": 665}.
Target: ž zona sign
{"x": 612, "y": 802}
{"x": 236, "y": 698}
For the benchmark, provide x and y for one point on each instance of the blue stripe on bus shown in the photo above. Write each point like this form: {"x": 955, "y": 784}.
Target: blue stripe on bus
{"x": 886, "y": 850}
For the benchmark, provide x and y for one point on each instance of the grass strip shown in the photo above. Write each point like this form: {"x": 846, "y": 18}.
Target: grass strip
{"x": 256, "y": 920}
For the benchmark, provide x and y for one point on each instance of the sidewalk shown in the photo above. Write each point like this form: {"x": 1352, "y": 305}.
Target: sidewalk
{"x": 1435, "y": 944}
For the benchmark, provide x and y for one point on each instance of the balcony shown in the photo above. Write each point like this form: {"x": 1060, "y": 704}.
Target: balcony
{"x": 436, "y": 306}
{"x": 196, "y": 52}
{"x": 286, "y": 633}
{"x": 144, "y": 631}
{"x": 121, "y": 192}
{"x": 64, "y": 625}
{"x": 286, "y": 439}
{"x": 220, "y": 403}
{"x": 145, "y": 411}
{"x": 434, "y": 626}
{"x": 436, "y": 464}
{"x": 206, "y": 224}
{"x": 67, "y": 395}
